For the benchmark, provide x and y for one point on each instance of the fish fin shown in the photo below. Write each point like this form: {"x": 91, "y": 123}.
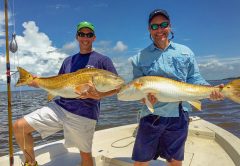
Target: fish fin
{"x": 50, "y": 97}
{"x": 149, "y": 105}
{"x": 82, "y": 88}
{"x": 232, "y": 90}
{"x": 93, "y": 82}
{"x": 197, "y": 104}
{"x": 138, "y": 85}
{"x": 24, "y": 77}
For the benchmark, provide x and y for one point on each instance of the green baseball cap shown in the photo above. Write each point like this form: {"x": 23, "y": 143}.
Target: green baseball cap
{"x": 85, "y": 24}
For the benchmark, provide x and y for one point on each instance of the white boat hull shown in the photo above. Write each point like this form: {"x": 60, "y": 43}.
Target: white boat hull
{"x": 206, "y": 145}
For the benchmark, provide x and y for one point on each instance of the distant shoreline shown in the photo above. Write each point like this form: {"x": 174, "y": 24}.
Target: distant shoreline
{"x": 230, "y": 78}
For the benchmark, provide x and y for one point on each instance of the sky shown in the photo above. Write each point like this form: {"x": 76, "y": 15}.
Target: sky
{"x": 46, "y": 32}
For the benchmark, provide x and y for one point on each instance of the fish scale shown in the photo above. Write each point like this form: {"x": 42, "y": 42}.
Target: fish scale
{"x": 168, "y": 90}
{"x": 70, "y": 85}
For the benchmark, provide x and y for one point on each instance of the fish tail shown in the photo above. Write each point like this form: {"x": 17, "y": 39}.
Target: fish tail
{"x": 24, "y": 77}
{"x": 232, "y": 90}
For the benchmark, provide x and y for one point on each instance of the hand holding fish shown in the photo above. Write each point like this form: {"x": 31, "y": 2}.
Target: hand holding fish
{"x": 169, "y": 90}
{"x": 216, "y": 95}
{"x": 91, "y": 92}
{"x": 96, "y": 83}
{"x": 152, "y": 99}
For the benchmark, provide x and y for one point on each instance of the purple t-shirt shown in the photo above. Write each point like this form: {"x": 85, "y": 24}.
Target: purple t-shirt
{"x": 88, "y": 108}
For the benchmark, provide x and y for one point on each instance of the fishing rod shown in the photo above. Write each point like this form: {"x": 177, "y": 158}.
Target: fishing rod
{"x": 10, "y": 129}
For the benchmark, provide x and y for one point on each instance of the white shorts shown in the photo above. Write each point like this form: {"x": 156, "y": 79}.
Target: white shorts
{"x": 78, "y": 131}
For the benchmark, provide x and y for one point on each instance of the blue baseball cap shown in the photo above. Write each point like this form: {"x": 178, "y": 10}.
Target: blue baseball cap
{"x": 158, "y": 12}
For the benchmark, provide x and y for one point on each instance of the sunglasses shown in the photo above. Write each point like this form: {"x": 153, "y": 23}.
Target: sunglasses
{"x": 88, "y": 35}
{"x": 162, "y": 25}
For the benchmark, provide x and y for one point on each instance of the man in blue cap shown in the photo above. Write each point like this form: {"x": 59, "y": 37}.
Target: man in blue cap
{"x": 76, "y": 117}
{"x": 164, "y": 132}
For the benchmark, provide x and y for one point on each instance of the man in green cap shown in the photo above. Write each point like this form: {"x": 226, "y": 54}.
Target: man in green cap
{"x": 76, "y": 117}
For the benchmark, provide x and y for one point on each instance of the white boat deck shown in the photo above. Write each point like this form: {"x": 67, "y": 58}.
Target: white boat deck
{"x": 207, "y": 145}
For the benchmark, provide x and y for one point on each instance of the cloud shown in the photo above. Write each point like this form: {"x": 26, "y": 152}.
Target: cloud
{"x": 61, "y": 6}
{"x": 70, "y": 48}
{"x": 123, "y": 67}
{"x": 2, "y": 42}
{"x": 2, "y": 67}
{"x": 58, "y": 6}
{"x": 120, "y": 47}
{"x": 103, "y": 46}
{"x": 2, "y": 22}
{"x": 35, "y": 53}
{"x": 213, "y": 67}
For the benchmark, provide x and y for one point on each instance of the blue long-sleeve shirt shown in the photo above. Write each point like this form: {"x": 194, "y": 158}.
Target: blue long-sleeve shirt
{"x": 175, "y": 62}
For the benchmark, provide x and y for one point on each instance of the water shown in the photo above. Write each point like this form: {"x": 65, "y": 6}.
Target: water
{"x": 225, "y": 114}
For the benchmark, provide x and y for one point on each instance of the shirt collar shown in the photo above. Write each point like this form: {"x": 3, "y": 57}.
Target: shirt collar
{"x": 153, "y": 47}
